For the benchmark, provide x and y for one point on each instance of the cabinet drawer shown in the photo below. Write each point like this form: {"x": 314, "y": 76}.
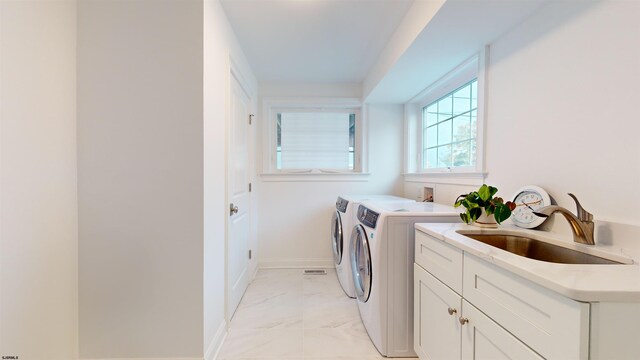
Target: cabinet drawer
{"x": 554, "y": 326}
{"x": 440, "y": 259}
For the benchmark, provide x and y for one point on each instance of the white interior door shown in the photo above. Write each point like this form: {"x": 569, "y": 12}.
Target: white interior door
{"x": 239, "y": 197}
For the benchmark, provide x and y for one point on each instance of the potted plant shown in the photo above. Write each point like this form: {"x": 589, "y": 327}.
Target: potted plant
{"x": 495, "y": 209}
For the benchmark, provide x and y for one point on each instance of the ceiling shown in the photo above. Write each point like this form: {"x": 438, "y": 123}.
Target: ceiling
{"x": 432, "y": 55}
{"x": 314, "y": 40}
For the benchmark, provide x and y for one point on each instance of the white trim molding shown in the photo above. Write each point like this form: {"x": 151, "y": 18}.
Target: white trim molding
{"x": 165, "y": 358}
{"x": 296, "y": 264}
{"x": 315, "y": 176}
{"x": 216, "y": 343}
{"x": 468, "y": 178}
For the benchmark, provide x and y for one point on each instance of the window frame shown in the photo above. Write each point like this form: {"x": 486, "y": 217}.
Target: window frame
{"x": 451, "y": 87}
{"x": 472, "y": 68}
{"x": 273, "y": 106}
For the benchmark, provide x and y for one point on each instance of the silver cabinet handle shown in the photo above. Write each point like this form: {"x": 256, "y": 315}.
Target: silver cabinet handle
{"x": 463, "y": 320}
{"x": 452, "y": 311}
{"x": 232, "y": 209}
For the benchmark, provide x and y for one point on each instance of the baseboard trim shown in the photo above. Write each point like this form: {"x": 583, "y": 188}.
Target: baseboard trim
{"x": 255, "y": 272}
{"x": 216, "y": 343}
{"x": 296, "y": 264}
{"x": 210, "y": 354}
{"x": 170, "y": 358}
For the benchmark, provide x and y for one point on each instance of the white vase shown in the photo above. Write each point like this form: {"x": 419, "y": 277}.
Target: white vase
{"x": 486, "y": 221}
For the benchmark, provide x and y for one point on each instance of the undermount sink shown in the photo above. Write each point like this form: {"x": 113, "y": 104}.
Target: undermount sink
{"x": 538, "y": 250}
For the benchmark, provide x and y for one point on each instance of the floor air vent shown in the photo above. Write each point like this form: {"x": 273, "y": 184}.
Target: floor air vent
{"x": 315, "y": 272}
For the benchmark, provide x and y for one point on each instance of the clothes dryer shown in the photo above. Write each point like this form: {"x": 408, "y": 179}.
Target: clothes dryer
{"x": 342, "y": 223}
{"x": 382, "y": 256}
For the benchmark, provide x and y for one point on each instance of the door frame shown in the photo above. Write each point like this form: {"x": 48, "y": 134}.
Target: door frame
{"x": 233, "y": 71}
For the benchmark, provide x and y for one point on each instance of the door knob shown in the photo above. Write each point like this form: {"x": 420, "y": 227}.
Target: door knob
{"x": 232, "y": 209}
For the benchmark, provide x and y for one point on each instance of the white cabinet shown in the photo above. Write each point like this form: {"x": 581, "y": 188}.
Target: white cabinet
{"x": 555, "y": 326}
{"x": 449, "y": 328}
{"x": 440, "y": 259}
{"x": 466, "y": 308}
{"x": 484, "y": 339}
{"x": 436, "y": 333}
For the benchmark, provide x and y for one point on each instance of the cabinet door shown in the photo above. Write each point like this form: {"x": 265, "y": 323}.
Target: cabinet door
{"x": 436, "y": 311}
{"x": 554, "y": 326}
{"x": 483, "y": 339}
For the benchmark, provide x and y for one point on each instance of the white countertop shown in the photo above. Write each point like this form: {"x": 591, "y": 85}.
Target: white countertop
{"x": 592, "y": 283}
{"x": 412, "y": 208}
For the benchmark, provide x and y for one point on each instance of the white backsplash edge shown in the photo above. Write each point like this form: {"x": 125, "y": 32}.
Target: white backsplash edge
{"x": 619, "y": 235}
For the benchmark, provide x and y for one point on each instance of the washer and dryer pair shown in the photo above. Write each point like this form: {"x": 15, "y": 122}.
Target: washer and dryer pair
{"x": 342, "y": 223}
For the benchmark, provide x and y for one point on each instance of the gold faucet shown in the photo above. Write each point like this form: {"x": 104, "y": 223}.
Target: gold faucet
{"x": 582, "y": 225}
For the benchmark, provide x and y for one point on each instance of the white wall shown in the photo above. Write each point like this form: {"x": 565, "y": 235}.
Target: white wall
{"x": 39, "y": 214}
{"x": 293, "y": 229}
{"x": 442, "y": 193}
{"x": 562, "y": 98}
{"x": 418, "y": 16}
{"x": 140, "y": 174}
{"x": 570, "y": 74}
{"x": 220, "y": 45}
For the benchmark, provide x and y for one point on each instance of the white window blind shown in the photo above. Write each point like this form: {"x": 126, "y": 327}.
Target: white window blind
{"x": 314, "y": 140}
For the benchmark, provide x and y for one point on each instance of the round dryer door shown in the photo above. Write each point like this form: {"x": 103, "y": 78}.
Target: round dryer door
{"x": 361, "y": 263}
{"x": 336, "y": 237}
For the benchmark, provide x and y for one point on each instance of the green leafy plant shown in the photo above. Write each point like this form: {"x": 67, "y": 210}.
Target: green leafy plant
{"x": 476, "y": 201}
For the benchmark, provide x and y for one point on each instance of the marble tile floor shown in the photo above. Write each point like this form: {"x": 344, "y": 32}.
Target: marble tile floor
{"x": 288, "y": 315}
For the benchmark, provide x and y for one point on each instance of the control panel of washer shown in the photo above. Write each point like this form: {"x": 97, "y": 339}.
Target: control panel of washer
{"x": 367, "y": 217}
{"x": 341, "y": 204}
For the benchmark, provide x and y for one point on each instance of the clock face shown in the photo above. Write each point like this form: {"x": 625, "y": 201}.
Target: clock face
{"x": 528, "y": 200}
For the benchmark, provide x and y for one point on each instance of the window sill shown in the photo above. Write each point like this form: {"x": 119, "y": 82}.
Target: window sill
{"x": 454, "y": 178}
{"x": 314, "y": 176}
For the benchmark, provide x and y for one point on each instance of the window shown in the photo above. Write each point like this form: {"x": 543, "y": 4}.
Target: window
{"x": 445, "y": 124}
{"x": 449, "y": 129}
{"x": 313, "y": 139}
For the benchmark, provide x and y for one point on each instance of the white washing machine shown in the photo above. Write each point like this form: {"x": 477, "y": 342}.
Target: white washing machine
{"x": 342, "y": 223}
{"x": 382, "y": 256}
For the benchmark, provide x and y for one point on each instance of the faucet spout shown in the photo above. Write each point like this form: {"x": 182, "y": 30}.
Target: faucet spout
{"x": 581, "y": 225}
